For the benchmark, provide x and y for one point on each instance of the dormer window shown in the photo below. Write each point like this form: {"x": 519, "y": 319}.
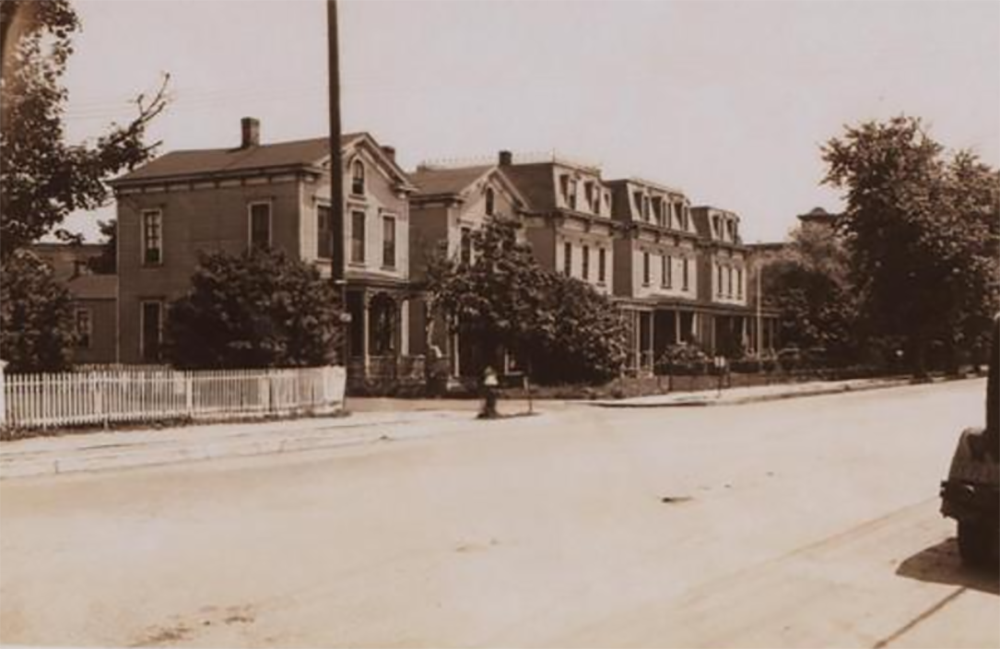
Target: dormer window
{"x": 645, "y": 208}
{"x": 571, "y": 193}
{"x": 588, "y": 195}
{"x": 638, "y": 204}
{"x": 490, "y": 200}
{"x": 358, "y": 178}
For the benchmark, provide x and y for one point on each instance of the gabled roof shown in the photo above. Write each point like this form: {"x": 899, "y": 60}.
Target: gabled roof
{"x": 457, "y": 182}
{"x": 437, "y": 182}
{"x": 296, "y": 154}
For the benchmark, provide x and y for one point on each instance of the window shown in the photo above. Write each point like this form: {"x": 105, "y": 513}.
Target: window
{"x": 382, "y": 314}
{"x": 684, "y": 274}
{"x": 324, "y": 232}
{"x": 152, "y": 237}
{"x": 358, "y": 178}
{"x": 586, "y": 262}
{"x": 645, "y": 208}
{"x": 739, "y": 283}
{"x": 571, "y": 193}
{"x": 260, "y": 225}
{"x": 637, "y": 196}
{"x": 84, "y": 328}
{"x": 465, "y": 247}
{"x": 645, "y": 269}
{"x": 666, "y": 276}
{"x": 588, "y": 195}
{"x": 358, "y": 237}
{"x": 729, "y": 281}
{"x": 490, "y": 198}
{"x": 568, "y": 259}
{"x": 600, "y": 264}
{"x": 718, "y": 279}
{"x": 151, "y": 322}
{"x": 389, "y": 241}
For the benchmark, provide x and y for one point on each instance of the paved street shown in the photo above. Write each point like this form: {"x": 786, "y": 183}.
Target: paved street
{"x": 800, "y": 523}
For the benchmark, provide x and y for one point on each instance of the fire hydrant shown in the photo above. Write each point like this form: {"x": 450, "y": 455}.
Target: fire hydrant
{"x": 490, "y": 385}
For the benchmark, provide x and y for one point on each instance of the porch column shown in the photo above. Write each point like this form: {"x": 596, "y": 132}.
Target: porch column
{"x": 652, "y": 337}
{"x": 677, "y": 327}
{"x": 637, "y": 328}
{"x": 404, "y": 330}
{"x": 366, "y": 333}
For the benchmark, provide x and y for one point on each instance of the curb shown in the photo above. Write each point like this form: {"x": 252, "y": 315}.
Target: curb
{"x": 232, "y": 448}
{"x": 739, "y": 401}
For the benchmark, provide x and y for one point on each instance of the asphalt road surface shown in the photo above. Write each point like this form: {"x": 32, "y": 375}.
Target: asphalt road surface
{"x": 802, "y": 523}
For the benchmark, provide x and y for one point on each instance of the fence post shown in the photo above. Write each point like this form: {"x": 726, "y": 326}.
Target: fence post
{"x": 3, "y": 394}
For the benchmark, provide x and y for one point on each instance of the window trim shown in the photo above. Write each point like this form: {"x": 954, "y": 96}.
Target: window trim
{"x": 142, "y": 324}
{"x": 145, "y": 240}
{"x": 364, "y": 237}
{"x": 270, "y": 223}
{"x": 320, "y": 206}
{"x": 90, "y": 327}
{"x": 356, "y": 164}
{"x": 387, "y": 217}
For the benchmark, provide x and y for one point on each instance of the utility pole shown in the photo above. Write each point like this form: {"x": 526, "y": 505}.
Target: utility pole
{"x": 760, "y": 318}
{"x": 337, "y": 266}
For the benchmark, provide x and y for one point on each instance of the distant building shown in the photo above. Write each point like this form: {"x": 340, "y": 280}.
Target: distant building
{"x": 94, "y": 299}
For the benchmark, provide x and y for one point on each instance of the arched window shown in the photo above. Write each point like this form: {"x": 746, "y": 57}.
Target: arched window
{"x": 358, "y": 178}
{"x": 490, "y": 198}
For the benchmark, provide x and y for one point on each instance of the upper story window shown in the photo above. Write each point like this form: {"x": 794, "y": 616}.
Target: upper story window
{"x": 645, "y": 269}
{"x": 358, "y": 237}
{"x": 465, "y": 246}
{"x": 729, "y": 281}
{"x": 666, "y": 274}
{"x": 324, "y": 232}
{"x": 260, "y": 225}
{"x": 152, "y": 237}
{"x": 739, "y": 283}
{"x": 718, "y": 279}
{"x": 571, "y": 193}
{"x": 658, "y": 210}
{"x": 585, "y": 259}
{"x": 389, "y": 241}
{"x": 601, "y": 259}
{"x": 84, "y": 328}
{"x": 637, "y": 197}
{"x": 588, "y": 196}
{"x": 358, "y": 178}
{"x": 568, "y": 259}
{"x": 490, "y": 201}
{"x": 645, "y": 208}
{"x": 716, "y": 227}
{"x": 685, "y": 274}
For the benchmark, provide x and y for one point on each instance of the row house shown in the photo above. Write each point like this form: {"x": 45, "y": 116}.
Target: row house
{"x": 270, "y": 196}
{"x": 656, "y": 283}
{"x": 679, "y": 273}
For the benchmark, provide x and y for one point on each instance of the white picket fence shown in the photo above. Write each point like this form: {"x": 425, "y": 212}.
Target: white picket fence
{"x": 145, "y": 395}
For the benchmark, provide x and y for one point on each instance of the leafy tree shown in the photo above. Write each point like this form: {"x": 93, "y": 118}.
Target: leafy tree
{"x": 923, "y": 231}
{"x": 809, "y": 283}
{"x": 42, "y": 178}
{"x": 505, "y": 300}
{"x": 257, "y": 309}
{"x": 36, "y": 319}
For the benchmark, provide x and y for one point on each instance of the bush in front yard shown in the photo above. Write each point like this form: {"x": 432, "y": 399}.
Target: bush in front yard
{"x": 258, "y": 309}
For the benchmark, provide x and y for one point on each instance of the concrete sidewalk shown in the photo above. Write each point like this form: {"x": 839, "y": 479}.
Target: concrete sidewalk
{"x": 74, "y": 452}
{"x": 737, "y": 396}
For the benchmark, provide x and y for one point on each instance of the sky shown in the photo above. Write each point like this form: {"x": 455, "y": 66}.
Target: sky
{"x": 728, "y": 101}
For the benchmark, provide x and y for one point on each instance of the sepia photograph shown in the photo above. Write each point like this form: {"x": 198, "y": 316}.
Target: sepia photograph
{"x": 500, "y": 323}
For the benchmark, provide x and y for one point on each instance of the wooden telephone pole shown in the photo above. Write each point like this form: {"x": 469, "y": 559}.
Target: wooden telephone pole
{"x": 338, "y": 265}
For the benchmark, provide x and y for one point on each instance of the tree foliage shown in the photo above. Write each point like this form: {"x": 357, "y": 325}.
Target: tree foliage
{"x": 36, "y": 318}
{"x": 923, "y": 230}
{"x": 809, "y": 283}
{"x": 257, "y": 309}
{"x": 505, "y": 300}
{"x": 106, "y": 263}
{"x": 42, "y": 177}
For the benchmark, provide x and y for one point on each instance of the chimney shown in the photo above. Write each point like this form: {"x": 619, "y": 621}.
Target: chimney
{"x": 251, "y": 132}
{"x": 389, "y": 151}
{"x": 506, "y": 158}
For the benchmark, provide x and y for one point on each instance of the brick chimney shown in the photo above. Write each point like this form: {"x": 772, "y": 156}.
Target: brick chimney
{"x": 389, "y": 151}
{"x": 506, "y": 158}
{"x": 250, "y": 131}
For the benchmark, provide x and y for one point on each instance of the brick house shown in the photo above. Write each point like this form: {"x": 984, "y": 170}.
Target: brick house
{"x": 269, "y": 195}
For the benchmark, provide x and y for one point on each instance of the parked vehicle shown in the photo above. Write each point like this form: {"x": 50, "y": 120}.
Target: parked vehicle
{"x": 971, "y": 494}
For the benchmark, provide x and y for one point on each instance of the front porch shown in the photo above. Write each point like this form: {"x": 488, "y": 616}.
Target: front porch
{"x": 378, "y": 345}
